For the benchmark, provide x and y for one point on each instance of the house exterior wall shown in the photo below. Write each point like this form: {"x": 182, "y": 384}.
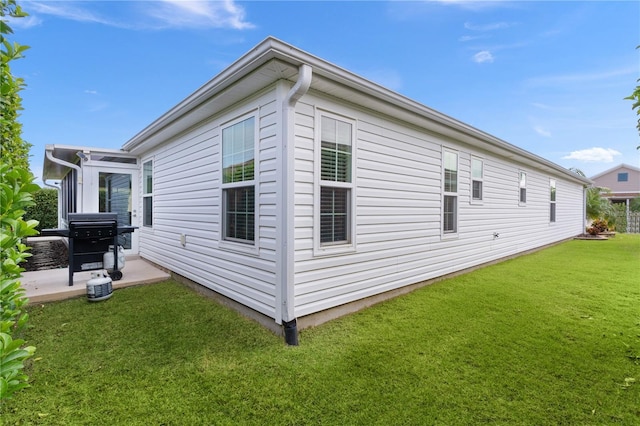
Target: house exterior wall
{"x": 398, "y": 210}
{"x": 186, "y": 201}
{"x": 629, "y": 188}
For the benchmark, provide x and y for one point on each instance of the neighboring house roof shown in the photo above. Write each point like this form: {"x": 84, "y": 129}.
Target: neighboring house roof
{"x": 273, "y": 60}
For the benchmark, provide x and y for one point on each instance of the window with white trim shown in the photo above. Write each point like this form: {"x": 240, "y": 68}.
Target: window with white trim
{"x": 336, "y": 183}
{"x": 238, "y": 181}
{"x": 450, "y": 192}
{"x": 147, "y": 193}
{"x": 552, "y": 201}
{"x": 477, "y": 178}
{"x": 523, "y": 187}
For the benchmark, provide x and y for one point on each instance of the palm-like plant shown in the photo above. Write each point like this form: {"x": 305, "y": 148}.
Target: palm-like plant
{"x": 598, "y": 207}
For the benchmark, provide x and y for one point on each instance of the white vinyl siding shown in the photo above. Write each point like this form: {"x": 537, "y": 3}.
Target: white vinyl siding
{"x": 187, "y": 201}
{"x": 398, "y": 225}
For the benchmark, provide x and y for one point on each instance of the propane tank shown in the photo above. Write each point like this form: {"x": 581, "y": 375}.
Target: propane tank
{"x": 99, "y": 287}
{"x": 107, "y": 259}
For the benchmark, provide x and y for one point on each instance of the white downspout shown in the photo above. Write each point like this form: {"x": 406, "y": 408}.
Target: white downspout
{"x": 59, "y": 190}
{"x": 53, "y": 159}
{"x": 287, "y": 221}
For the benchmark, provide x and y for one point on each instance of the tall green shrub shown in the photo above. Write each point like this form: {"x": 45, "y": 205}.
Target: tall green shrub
{"x": 16, "y": 189}
{"x": 45, "y": 209}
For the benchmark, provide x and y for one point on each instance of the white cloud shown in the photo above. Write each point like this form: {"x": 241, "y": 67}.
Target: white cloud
{"x": 471, "y": 38}
{"x": 488, "y": 27}
{"x": 67, "y": 10}
{"x": 91, "y": 92}
{"x": 475, "y": 5}
{"x": 542, "y": 131}
{"x": 600, "y": 155}
{"x": 564, "y": 79}
{"x": 483, "y": 56}
{"x": 24, "y": 22}
{"x": 163, "y": 13}
{"x": 216, "y": 14}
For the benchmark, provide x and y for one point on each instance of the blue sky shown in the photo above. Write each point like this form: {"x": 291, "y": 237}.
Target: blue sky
{"x": 549, "y": 77}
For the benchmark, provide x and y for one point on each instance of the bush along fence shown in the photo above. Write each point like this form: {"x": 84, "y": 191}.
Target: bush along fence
{"x": 626, "y": 222}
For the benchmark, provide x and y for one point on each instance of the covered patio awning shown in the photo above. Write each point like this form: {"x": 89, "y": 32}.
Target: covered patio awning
{"x": 60, "y": 159}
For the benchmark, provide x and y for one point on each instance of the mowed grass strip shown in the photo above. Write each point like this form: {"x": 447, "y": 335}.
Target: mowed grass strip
{"x": 548, "y": 338}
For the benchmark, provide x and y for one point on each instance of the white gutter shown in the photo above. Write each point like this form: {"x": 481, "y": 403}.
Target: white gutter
{"x": 287, "y": 223}
{"x": 53, "y": 159}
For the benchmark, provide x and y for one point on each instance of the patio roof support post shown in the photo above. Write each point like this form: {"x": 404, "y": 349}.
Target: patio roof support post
{"x": 287, "y": 223}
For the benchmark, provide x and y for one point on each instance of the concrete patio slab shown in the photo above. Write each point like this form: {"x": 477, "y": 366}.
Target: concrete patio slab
{"x": 53, "y": 284}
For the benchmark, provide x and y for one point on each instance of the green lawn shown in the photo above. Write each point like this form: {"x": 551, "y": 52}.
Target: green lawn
{"x": 548, "y": 338}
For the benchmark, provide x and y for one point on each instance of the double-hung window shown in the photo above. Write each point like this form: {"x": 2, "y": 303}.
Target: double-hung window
{"x": 336, "y": 181}
{"x": 147, "y": 193}
{"x": 552, "y": 201}
{"x": 523, "y": 187}
{"x": 238, "y": 181}
{"x": 477, "y": 178}
{"x": 450, "y": 192}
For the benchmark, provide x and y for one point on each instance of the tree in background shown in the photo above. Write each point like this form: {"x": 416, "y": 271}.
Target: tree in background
{"x": 16, "y": 189}
{"x": 45, "y": 209}
{"x": 635, "y": 97}
{"x": 598, "y": 207}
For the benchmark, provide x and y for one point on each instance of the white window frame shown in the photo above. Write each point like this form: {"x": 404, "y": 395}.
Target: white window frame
{"x": 450, "y": 195}
{"x": 147, "y": 195}
{"x": 553, "y": 196}
{"x": 232, "y": 243}
{"x": 349, "y": 245}
{"x": 474, "y": 179}
{"x": 522, "y": 185}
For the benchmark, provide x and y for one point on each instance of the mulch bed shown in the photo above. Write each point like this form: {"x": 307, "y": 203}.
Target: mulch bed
{"x": 46, "y": 255}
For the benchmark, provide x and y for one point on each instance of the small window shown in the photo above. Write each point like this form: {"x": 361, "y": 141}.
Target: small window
{"x": 477, "y": 178}
{"x": 238, "y": 181}
{"x": 523, "y": 187}
{"x": 623, "y": 177}
{"x": 336, "y": 183}
{"x": 450, "y": 193}
{"x": 552, "y": 204}
{"x": 147, "y": 193}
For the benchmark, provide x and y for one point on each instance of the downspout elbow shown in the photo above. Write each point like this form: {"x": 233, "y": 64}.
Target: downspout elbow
{"x": 302, "y": 85}
{"x": 53, "y": 159}
{"x": 78, "y": 169}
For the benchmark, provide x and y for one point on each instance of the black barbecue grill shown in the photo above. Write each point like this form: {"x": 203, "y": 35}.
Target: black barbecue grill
{"x": 90, "y": 235}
